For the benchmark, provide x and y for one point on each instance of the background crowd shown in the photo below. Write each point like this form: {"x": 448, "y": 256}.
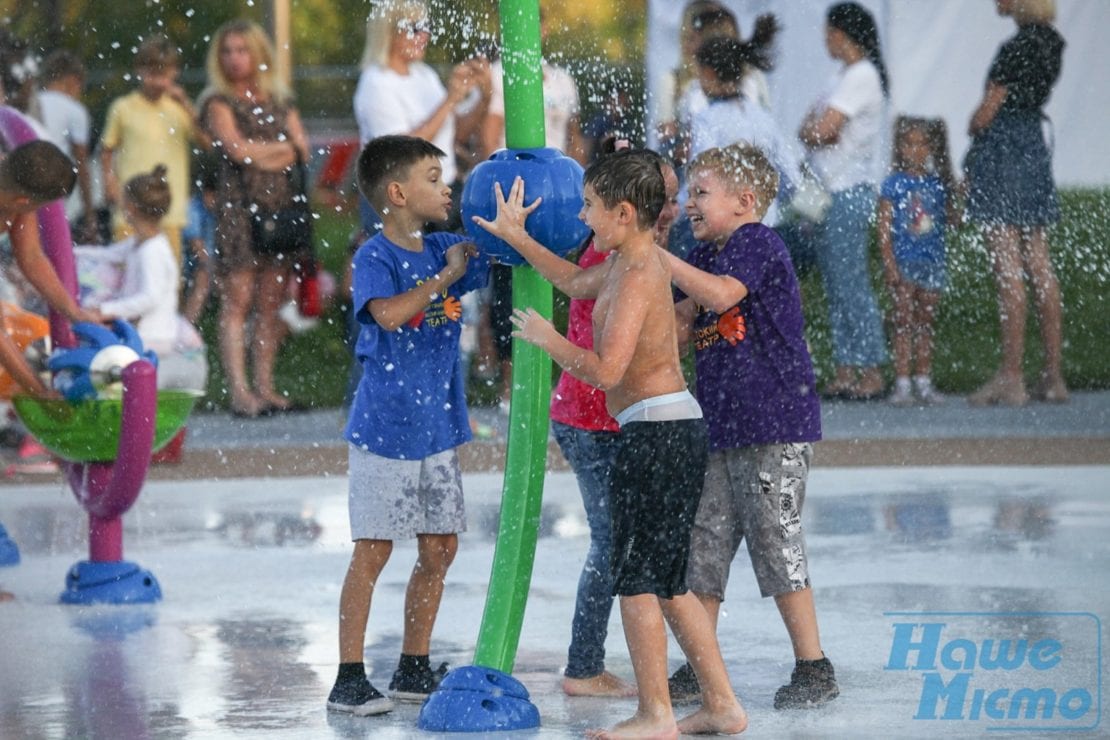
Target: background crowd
{"x": 229, "y": 151}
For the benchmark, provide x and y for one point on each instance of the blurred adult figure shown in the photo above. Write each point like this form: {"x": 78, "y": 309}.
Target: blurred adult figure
{"x": 257, "y": 135}
{"x": 702, "y": 21}
{"x": 841, "y": 133}
{"x": 67, "y": 120}
{"x": 730, "y": 117}
{"x": 398, "y": 93}
{"x": 19, "y": 71}
{"x": 1012, "y": 196}
{"x": 561, "y": 131}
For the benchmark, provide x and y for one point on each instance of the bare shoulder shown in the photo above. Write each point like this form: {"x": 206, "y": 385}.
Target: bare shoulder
{"x": 639, "y": 276}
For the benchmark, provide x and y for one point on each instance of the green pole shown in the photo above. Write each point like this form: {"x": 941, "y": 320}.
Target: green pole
{"x": 525, "y": 462}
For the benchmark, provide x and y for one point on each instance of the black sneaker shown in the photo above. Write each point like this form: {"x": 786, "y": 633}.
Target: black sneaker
{"x": 358, "y": 697}
{"x": 414, "y": 683}
{"x": 812, "y": 684}
{"x": 684, "y": 685}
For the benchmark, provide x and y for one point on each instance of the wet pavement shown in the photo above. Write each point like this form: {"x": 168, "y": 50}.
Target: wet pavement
{"x": 907, "y": 562}
{"x": 1086, "y": 415}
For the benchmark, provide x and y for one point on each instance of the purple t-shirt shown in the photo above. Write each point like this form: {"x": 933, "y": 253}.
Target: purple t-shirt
{"x": 755, "y": 377}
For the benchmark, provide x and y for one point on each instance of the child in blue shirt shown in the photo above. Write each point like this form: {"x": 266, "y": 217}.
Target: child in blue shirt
{"x": 409, "y": 412}
{"x": 914, "y": 206}
{"x": 199, "y": 237}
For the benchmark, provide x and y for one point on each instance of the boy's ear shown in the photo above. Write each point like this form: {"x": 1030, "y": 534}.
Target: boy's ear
{"x": 746, "y": 200}
{"x": 395, "y": 193}
{"x": 626, "y": 213}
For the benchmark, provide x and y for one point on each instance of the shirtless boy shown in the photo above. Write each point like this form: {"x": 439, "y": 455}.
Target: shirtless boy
{"x": 654, "y": 499}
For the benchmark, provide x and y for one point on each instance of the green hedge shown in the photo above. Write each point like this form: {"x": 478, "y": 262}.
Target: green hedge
{"x": 313, "y": 365}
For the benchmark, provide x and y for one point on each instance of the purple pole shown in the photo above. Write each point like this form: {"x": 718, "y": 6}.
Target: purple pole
{"x": 107, "y": 490}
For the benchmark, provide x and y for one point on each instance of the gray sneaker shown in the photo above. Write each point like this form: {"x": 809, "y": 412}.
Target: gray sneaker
{"x": 812, "y": 684}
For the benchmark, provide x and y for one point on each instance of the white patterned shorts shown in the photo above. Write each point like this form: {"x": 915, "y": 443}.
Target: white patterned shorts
{"x": 755, "y": 495}
{"x": 398, "y": 499}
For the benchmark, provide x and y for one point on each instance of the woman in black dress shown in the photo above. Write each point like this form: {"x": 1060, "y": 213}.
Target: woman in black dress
{"x": 258, "y": 136}
{"x": 1013, "y": 198}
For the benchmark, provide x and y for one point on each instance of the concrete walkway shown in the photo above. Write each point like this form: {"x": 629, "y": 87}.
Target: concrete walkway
{"x": 855, "y": 434}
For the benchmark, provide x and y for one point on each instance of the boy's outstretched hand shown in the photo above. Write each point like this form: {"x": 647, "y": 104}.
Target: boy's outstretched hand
{"x": 511, "y": 212}
{"x": 531, "y": 327}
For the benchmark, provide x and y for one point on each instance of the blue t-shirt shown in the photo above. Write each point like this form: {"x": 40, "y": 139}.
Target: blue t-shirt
{"x": 919, "y": 218}
{"x": 411, "y": 400}
{"x": 755, "y": 377}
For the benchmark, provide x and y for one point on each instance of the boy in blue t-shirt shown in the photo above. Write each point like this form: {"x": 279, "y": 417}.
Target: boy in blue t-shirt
{"x": 738, "y": 294}
{"x": 409, "y": 412}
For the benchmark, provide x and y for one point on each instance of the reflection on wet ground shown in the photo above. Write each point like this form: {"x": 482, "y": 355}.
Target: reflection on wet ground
{"x": 244, "y": 643}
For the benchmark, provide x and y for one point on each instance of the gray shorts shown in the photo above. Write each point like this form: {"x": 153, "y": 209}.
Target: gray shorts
{"x": 398, "y": 499}
{"x": 753, "y": 494}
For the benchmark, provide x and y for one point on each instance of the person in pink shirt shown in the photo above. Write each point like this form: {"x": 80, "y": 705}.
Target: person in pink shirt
{"x": 587, "y": 435}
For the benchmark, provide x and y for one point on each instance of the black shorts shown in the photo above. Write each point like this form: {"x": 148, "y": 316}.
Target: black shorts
{"x": 656, "y": 486}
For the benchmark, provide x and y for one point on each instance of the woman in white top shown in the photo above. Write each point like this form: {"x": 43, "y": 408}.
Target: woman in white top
{"x": 731, "y": 117}
{"x": 398, "y": 93}
{"x": 841, "y": 134}
{"x": 704, "y": 20}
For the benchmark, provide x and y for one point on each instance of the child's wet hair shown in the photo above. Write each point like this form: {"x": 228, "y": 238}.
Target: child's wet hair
{"x": 632, "y": 175}
{"x": 741, "y": 166}
{"x": 389, "y": 158}
{"x": 150, "y": 192}
{"x": 38, "y": 170}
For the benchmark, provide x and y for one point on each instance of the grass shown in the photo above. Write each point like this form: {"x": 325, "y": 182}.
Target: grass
{"x": 313, "y": 365}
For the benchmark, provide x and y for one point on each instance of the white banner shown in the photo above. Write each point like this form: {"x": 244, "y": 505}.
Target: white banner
{"x": 937, "y": 53}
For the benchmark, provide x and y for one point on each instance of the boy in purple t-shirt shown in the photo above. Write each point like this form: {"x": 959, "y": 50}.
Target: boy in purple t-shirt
{"x": 738, "y": 295}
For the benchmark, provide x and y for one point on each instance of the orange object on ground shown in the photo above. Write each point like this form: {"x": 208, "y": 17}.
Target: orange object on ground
{"x": 24, "y": 328}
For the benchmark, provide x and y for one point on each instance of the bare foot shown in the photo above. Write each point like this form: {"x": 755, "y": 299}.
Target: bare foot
{"x": 870, "y": 385}
{"x": 704, "y": 722}
{"x": 248, "y": 406}
{"x": 638, "y": 726}
{"x": 7, "y": 596}
{"x": 603, "y": 684}
{"x": 1002, "y": 390}
{"x": 1051, "y": 390}
{"x": 275, "y": 400}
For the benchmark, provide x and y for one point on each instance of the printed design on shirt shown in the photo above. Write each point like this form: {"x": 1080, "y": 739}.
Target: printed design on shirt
{"x": 920, "y": 220}
{"x": 730, "y": 326}
{"x": 439, "y": 313}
